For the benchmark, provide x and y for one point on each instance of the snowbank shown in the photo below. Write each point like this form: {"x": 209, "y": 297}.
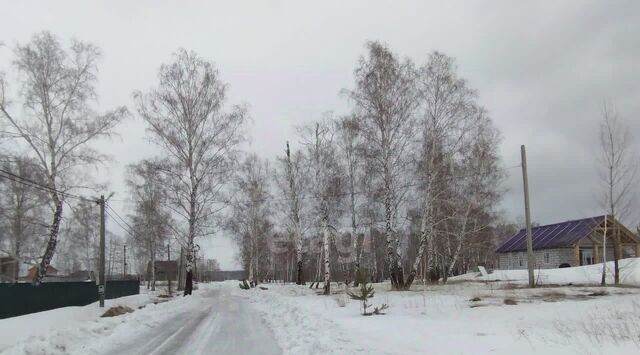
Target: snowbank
{"x": 588, "y": 274}
{"x": 444, "y": 320}
{"x": 298, "y": 329}
{"x": 65, "y": 330}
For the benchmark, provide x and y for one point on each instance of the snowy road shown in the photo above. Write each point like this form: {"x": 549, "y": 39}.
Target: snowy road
{"x": 220, "y": 324}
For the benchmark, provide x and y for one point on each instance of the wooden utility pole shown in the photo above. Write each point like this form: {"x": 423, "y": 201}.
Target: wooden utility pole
{"x": 603, "y": 282}
{"x": 101, "y": 281}
{"x": 527, "y": 213}
{"x": 180, "y": 276}
{"x": 168, "y": 273}
{"x": 124, "y": 261}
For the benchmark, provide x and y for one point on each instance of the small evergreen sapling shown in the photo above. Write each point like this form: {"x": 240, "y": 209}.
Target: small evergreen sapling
{"x": 363, "y": 293}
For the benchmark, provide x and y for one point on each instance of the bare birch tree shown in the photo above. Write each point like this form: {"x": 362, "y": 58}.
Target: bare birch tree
{"x": 57, "y": 90}
{"x": 618, "y": 170}
{"x": 326, "y": 187}
{"x": 151, "y": 220}
{"x": 249, "y": 220}
{"x": 350, "y": 148}
{"x": 21, "y": 208}
{"x": 449, "y": 116}
{"x": 476, "y": 194}
{"x": 384, "y": 97}
{"x": 293, "y": 190}
{"x": 185, "y": 115}
{"x": 84, "y": 233}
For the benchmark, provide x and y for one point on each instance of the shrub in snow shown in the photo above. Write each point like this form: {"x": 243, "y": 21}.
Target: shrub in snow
{"x": 599, "y": 293}
{"x": 363, "y": 293}
{"x": 117, "y": 311}
{"x": 378, "y": 310}
{"x": 510, "y": 301}
{"x": 553, "y": 296}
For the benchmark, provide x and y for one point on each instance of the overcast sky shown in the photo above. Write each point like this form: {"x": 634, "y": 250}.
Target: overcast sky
{"x": 542, "y": 71}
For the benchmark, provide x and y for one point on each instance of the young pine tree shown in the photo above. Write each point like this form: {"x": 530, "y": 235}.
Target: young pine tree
{"x": 363, "y": 293}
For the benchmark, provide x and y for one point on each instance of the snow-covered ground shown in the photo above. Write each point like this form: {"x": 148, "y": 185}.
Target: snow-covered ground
{"x": 212, "y": 320}
{"x": 59, "y": 330}
{"x": 444, "y": 320}
{"x": 588, "y": 274}
{"x": 466, "y": 316}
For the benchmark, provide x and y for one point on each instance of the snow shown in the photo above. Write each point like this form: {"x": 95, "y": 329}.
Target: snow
{"x": 440, "y": 320}
{"x": 588, "y": 274}
{"x": 37, "y": 325}
{"x": 211, "y": 318}
{"x": 466, "y": 316}
{"x": 54, "y": 331}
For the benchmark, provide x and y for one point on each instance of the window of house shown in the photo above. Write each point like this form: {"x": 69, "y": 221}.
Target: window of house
{"x": 520, "y": 259}
{"x": 546, "y": 258}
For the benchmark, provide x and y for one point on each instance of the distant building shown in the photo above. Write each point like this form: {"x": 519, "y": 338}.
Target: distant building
{"x": 566, "y": 244}
{"x": 51, "y": 271}
{"x": 165, "y": 270}
{"x": 8, "y": 269}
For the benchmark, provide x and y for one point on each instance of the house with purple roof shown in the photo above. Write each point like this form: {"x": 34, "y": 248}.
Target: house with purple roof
{"x": 571, "y": 243}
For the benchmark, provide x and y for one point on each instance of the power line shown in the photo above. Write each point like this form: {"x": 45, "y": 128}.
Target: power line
{"x": 120, "y": 225}
{"x": 122, "y": 219}
{"x": 28, "y": 182}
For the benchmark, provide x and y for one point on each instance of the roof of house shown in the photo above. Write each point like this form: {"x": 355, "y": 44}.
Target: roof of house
{"x": 556, "y": 235}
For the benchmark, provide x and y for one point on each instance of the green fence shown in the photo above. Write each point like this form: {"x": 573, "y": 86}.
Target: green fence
{"x": 17, "y": 299}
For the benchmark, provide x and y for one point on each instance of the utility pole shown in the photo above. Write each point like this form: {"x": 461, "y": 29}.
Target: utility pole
{"x": 181, "y": 279}
{"x": 527, "y": 213}
{"x": 168, "y": 273}
{"x": 124, "y": 262}
{"x": 101, "y": 281}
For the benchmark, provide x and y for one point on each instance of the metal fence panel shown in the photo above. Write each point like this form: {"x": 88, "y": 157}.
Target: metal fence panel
{"x": 23, "y": 298}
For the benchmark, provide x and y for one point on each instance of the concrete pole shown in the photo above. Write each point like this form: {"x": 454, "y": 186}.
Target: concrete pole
{"x": 167, "y": 273}
{"x": 527, "y": 212}
{"x": 101, "y": 283}
{"x": 124, "y": 262}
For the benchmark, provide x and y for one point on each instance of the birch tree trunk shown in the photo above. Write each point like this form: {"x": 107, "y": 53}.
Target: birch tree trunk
{"x": 327, "y": 252}
{"x": 295, "y": 216}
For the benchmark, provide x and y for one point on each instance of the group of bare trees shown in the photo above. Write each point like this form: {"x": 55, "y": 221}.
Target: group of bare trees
{"x": 403, "y": 185}
{"x": 49, "y": 115}
{"x": 416, "y": 148}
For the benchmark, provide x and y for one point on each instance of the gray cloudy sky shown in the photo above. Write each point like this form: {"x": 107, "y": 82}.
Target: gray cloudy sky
{"x": 542, "y": 69}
